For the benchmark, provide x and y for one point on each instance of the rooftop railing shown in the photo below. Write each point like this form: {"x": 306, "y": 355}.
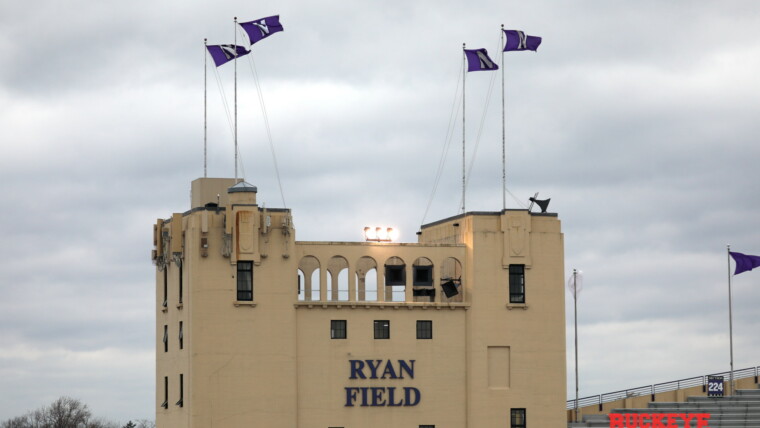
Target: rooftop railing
{"x": 657, "y": 388}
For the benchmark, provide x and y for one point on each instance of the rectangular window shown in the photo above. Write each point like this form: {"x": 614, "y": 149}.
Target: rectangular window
{"x": 245, "y": 280}
{"x": 382, "y": 329}
{"x": 424, "y": 329}
{"x": 338, "y": 329}
{"x": 166, "y": 338}
{"x": 516, "y": 283}
{"x": 165, "y": 404}
{"x": 427, "y": 426}
{"x": 181, "y": 402}
{"x": 166, "y": 287}
{"x": 180, "y": 284}
{"x": 181, "y": 338}
{"x": 518, "y": 418}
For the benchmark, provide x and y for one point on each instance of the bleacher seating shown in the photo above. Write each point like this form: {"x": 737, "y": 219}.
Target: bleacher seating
{"x": 742, "y": 410}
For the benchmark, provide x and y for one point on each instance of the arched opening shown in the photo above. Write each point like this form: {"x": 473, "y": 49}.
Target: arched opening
{"x": 337, "y": 279}
{"x": 422, "y": 280}
{"x": 451, "y": 281}
{"x": 308, "y": 278}
{"x": 395, "y": 280}
{"x": 366, "y": 280}
{"x": 301, "y": 286}
{"x": 315, "y": 285}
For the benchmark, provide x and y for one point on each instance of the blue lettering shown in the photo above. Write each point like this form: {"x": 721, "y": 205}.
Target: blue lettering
{"x": 389, "y": 370}
{"x": 402, "y": 367}
{"x": 357, "y": 367}
{"x": 391, "y": 393}
{"x": 408, "y": 396}
{"x": 364, "y": 396}
{"x": 377, "y": 396}
{"x": 373, "y": 367}
{"x": 350, "y": 396}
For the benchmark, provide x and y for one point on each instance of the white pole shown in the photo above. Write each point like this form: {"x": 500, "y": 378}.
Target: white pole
{"x": 205, "y": 108}
{"x": 575, "y": 311}
{"x": 236, "y": 124}
{"x": 730, "y": 323}
{"x": 503, "y": 130}
{"x": 464, "y": 73}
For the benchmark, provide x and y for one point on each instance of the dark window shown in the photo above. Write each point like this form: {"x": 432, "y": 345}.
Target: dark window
{"x": 166, "y": 338}
{"x": 516, "y": 283}
{"x": 424, "y": 292}
{"x": 245, "y": 280}
{"x": 181, "y": 401}
{"x": 424, "y": 329}
{"x": 395, "y": 275}
{"x": 180, "y": 283}
{"x": 166, "y": 286}
{"x": 338, "y": 329}
{"x": 423, "y": 275}
{"x": 427, "y": 426}
{"x": 382, "y": 329}
{"x": 181, "y": 338}
{"x": 518, "y": 418}
{"x": 165, "y": 404}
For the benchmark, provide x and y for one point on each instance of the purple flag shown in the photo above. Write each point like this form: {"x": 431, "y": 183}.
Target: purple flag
{"x": 226, "y": 53}
{"x": 261, "y": 28}
{"x": 478, "y": 60}
{"x": 518, "y": 41}
{"x": 744, "y": 262}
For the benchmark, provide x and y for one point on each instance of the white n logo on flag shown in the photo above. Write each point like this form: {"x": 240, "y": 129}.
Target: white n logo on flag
{"x": 523, "y": 44}
{"x": 263, "y": 27}
{"x": 229, "y": 51}
{"x": 485, "y": 61}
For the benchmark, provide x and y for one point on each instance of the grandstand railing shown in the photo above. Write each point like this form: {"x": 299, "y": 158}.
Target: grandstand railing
{"x": 657, "y": 388}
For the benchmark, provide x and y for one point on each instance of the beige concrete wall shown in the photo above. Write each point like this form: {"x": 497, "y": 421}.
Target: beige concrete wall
{"x": 271, "y": 362}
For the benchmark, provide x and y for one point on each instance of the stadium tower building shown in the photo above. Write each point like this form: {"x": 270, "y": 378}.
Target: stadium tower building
{"x": 465, "y": 328}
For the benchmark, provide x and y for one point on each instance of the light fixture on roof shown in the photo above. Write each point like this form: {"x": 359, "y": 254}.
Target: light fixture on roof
{"x": 380, "y": 234}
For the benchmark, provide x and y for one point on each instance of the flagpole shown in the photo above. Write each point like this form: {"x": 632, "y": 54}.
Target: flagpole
{"x": 575, "y": 312}
{"x": 236, "y": 123}
{"x": 730, "y": 321}
{"x": 464, "y": 73}
{"x": 503, "y": 131}
{"x": 205, "y": 108}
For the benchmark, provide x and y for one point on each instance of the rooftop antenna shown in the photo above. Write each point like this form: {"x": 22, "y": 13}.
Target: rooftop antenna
{"x": 532, "y": 200}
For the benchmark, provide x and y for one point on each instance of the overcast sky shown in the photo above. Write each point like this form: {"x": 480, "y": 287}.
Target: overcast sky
{"x": 638, "y": 119}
